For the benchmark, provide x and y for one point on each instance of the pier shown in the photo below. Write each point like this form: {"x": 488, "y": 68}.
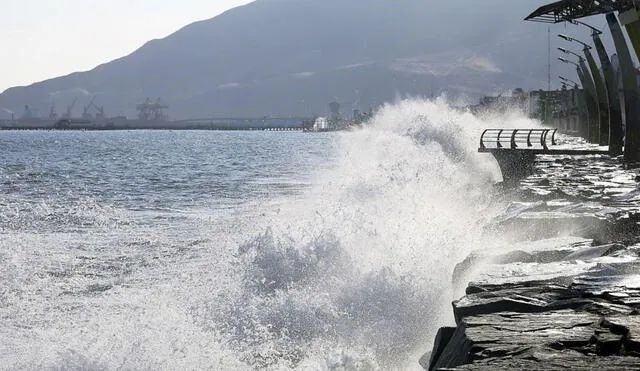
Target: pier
{"x": 151, "y": 116}
{"x": 121, "y": 123}
{"x": 515, "y": 150}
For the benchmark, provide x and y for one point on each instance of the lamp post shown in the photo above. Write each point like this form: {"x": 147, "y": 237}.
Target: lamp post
{"x": 568, "y": 81}
{"x": 591, "y": 109}
{"x": 567, "y": 51}
{"x": 564, "y": 113}
{"x": 616, "y": 132}
{"x": 583, "y": 74}
{"x": 601, "y": 135}
{"x": 595, "y": 30}
{"x": 577, "y": 99}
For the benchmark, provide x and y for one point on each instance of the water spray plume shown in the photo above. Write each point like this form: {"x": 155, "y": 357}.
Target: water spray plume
{"x": 367, "y": 254}
{"x": 354, "y": 271}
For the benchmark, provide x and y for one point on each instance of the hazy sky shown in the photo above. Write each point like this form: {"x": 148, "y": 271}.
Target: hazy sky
{"x": 41, "y": 39}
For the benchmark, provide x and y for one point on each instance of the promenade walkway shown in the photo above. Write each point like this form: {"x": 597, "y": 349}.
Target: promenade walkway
{"x": 565, "y": 291}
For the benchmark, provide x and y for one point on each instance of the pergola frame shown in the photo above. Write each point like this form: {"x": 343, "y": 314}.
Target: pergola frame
{"x": 566, "y": 10}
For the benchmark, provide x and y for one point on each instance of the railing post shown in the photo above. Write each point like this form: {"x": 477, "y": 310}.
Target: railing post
{"x": 513, "y": 139}
{"x": 543, "y": 139}
{"x": 482, "y": 139}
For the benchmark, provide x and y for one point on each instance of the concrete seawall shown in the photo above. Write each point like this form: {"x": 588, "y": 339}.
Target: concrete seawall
{"x": 565, "y": 292}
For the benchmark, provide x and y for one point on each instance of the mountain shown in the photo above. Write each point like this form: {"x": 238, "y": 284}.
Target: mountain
{"x": 292, "y": 57}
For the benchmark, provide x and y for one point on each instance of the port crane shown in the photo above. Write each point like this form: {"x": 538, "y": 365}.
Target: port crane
{"x": 69, "y": 108}
{"x": 152, "y": 111}
{"x": 98, "y": 109}
{"x": 52, "y": 112}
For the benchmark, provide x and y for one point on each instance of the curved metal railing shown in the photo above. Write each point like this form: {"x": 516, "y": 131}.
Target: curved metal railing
{"x": 517, "y": 138}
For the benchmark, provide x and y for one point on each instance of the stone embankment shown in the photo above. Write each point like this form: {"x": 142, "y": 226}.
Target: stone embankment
{"x": 566, "y": 293}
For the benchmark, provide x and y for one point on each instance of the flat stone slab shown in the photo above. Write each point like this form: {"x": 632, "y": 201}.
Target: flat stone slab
{"x": 543, "y": 361}
{"x": 507, "y": 340}
{"x": 564, "y": 293}
{"x": 580, "y": 304}
{"x": 605, "y": 223}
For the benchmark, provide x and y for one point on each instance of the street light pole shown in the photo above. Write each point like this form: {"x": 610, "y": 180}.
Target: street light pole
{"x": 616, "y": 132}
{"x": 568, "y": 81}
{"x": 577, "y": 99}
{"x": 601, "y": 135}
{"x": 589, "y": 96}
{"x": 595, "y": 30}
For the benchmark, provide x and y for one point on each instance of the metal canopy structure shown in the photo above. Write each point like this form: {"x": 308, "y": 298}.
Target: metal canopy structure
{"x": 566, "y": 10}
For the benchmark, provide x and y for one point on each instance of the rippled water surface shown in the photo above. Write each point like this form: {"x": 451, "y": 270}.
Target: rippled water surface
{"x": 247, "y": 250}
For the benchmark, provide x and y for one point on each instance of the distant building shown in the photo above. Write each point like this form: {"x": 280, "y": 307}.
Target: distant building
{"x": 518, "y": 100}
{"x": 321, "y": 124}
{"x": 556, "y": 108}
{"x": 561, "y": 109}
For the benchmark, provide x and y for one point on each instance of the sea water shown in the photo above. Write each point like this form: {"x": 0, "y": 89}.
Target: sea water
{"x": 240, "y": 250}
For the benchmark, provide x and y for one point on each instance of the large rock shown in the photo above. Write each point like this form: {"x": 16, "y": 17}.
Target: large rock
{"x": 569, "y": 309}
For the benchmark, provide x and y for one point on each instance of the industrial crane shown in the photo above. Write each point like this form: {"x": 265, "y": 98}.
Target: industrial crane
{"x": 152, "y": 111}
{"x": 99, "y": 110}
{"x": 85, "y": 111}
{"x": 52, "y": 112}
{"x": 70, "y": 107}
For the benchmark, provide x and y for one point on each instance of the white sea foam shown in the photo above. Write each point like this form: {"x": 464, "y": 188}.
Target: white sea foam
{"x": 356, "y": 274}
{"x": 353, "y": 273}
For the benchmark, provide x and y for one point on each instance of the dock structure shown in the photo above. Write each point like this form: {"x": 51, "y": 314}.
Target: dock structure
{"x": 149, "y": 123}
{"x": 515, "y": 150}
{"x": 247, "y": 123}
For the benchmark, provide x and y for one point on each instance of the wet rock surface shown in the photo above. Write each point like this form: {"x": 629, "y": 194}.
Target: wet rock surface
{"x": 565, "y": 291}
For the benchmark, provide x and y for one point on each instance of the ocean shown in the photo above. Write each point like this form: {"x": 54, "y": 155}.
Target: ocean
{"x": 164, "y": 250}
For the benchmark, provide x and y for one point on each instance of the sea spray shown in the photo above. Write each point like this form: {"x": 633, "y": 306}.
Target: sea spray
{"x": 356, "y": 273}
{"x": 250, "y": 264}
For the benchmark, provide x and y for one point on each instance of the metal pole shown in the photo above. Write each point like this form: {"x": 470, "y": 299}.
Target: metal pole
{"x": 588, "y": 125}
{"x": 633, "y": 29}
{"x": 583, "y": 113}
{"x": 549, "y": 59}
{"x": 603, "y": 98}
{"x": 615, "y": 113}
{"x": 631, "y": 21}
{"x": 590, "y": 102}
{"x": 595, "y": 116}
{"x": 631, "y": 94}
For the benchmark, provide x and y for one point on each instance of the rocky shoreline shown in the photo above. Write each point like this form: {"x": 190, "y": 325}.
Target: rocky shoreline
{"x": 566, "y": 293}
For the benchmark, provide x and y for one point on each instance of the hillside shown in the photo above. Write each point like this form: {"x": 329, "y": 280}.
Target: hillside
{"x": 291, "y": 57}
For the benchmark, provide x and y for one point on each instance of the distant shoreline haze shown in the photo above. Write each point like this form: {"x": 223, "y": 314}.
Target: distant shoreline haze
{"x": 291, "y": 58}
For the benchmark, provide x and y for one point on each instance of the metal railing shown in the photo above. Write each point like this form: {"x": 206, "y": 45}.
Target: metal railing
{"x": 517, "y": 138}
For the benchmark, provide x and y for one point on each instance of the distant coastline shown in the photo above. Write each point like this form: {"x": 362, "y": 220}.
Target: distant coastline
{"x": 133, "y": 124}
